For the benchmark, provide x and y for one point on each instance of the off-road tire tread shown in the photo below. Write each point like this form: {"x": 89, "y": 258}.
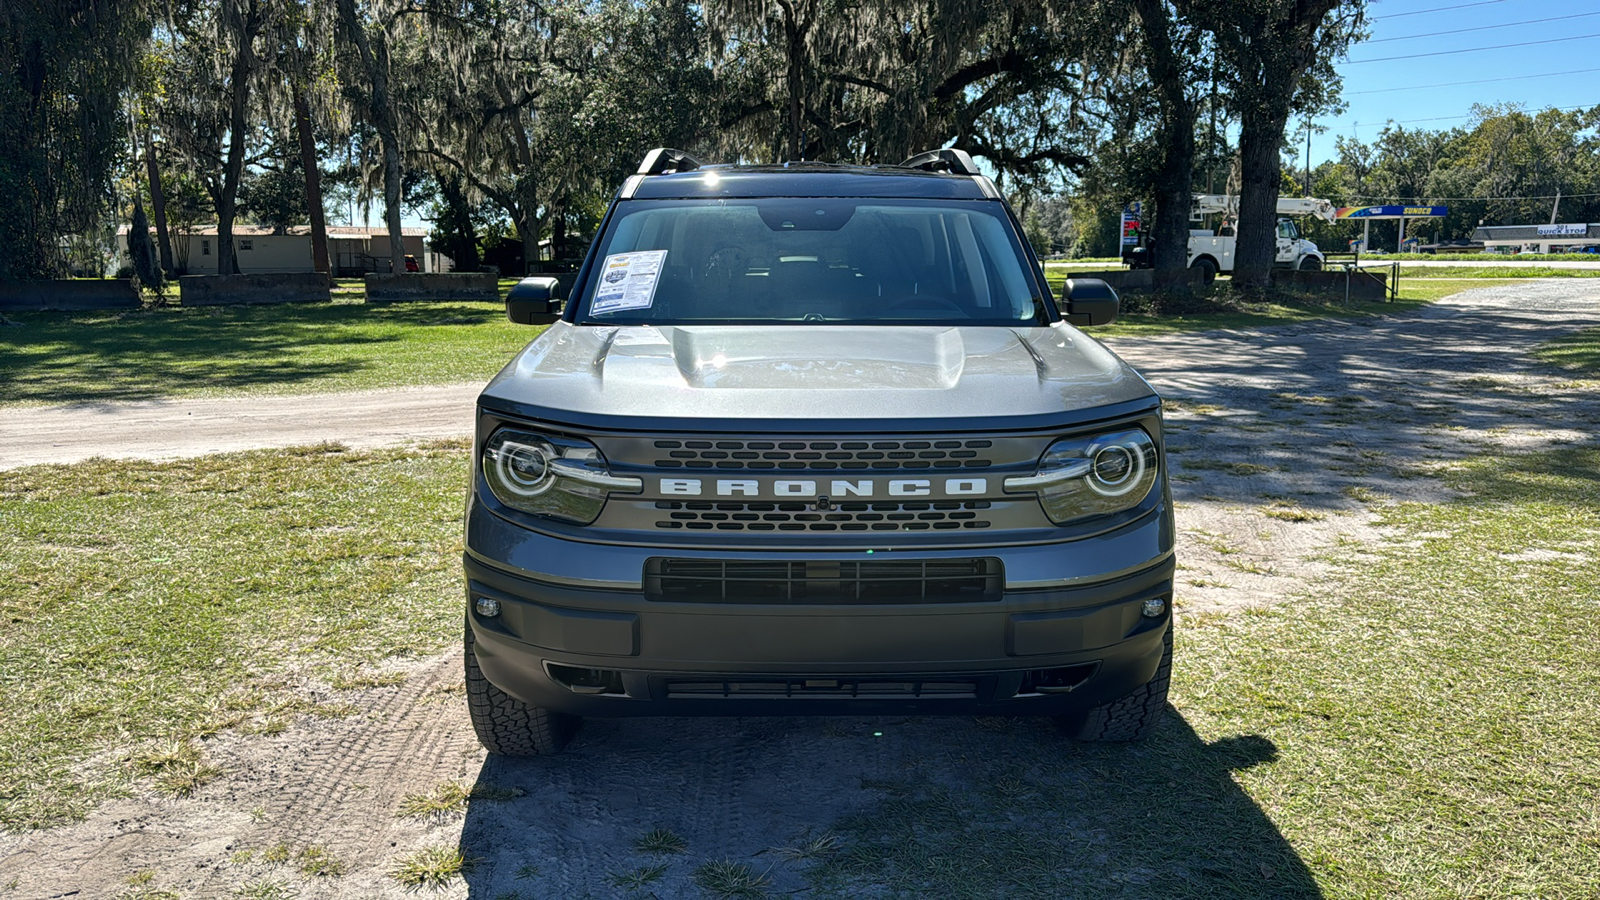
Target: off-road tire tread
{"x": 1135, "y": 716}
{"x": 506, "y": 725}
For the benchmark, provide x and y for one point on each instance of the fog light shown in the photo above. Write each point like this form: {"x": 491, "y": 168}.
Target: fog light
{"x": 488, "y": 607}
{"x": 1153, "y": 607}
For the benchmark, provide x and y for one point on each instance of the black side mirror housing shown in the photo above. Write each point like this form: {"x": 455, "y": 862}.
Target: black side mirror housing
{"x": 1090, "y": 301}
{"x": 534, "y": 301}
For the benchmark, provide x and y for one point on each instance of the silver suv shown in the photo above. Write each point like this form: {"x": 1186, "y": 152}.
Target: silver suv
{"x": 815, "y": 439}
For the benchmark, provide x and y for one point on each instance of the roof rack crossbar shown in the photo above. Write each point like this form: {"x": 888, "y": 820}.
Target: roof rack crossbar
{"x": 667, "y": 161}
{"x": 956, "y": 162}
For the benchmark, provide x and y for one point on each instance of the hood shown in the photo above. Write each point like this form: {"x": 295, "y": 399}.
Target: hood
{"x": 860, "y": 377}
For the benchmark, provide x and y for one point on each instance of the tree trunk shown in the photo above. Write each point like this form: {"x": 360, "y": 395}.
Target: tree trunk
{"x": 1174, "y": 197}
{"x": 158, "y": 206}
{"x": 375, "y": 60}
{"x": 1260, "y": 136}
{"x": 795, "y": 46}
{"x": 391, "y": 202}
{"x": 528, "y": 228}
{"x": 464, "y": 237}
{"x": 313, "y": 171}
{"x": 233, "y": 167}
{"x": 1175, "y": 181}
{"x": 140, "y": 252}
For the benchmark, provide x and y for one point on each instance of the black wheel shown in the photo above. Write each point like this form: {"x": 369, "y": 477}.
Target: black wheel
{"x": 1208, "y": 270}
{"x": 1310, "y": 264}
{"x": 506, "y": 725}
{"x": 1133, "y": 717}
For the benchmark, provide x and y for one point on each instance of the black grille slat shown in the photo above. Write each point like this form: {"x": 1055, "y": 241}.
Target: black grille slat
{"x": 844, "y": 516}
{"x": 765, "y": 687}
{"x": 823, "y": 455}
{"x": 857, "y": 582}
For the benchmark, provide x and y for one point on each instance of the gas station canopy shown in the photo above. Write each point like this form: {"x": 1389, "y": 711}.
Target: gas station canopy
{"x": 1392, "y": 212}
{"x": 1368, "y": 213}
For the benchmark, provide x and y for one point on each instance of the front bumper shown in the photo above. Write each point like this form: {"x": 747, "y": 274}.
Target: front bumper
{"x": 1045, "y": 646}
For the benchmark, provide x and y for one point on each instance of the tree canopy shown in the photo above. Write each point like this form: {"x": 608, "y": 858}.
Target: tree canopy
{"x": 508, "y": 123}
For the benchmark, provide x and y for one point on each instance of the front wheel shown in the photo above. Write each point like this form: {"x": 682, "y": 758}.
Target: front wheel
{"x": 506, "y": 725}
{"x": 1133, "y": 717}
{"x": 1310, "y": 264}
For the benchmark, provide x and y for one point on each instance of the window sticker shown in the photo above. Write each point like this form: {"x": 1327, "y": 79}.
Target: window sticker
{"x": 628, "y": 281}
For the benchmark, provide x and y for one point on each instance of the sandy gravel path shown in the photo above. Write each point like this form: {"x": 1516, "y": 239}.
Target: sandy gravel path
{"x": 1280, "y": 440}
{"x": 166, "y": 429}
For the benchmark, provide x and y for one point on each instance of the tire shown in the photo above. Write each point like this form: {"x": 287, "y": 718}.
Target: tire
{"x": 506, "y": 725}
{"x": 1132, "y": 718}
{"x": 1310, "y": 264}
{"x": 1208, "y": 270}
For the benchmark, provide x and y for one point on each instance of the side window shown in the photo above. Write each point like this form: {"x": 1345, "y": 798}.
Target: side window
{"x": 246, "y": 244}
{"x": 205, "y": 247}
{"x": 1286, "y": 230}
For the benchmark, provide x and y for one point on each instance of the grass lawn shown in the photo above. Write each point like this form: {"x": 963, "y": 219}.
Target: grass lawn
{"x": 146, "y": 602}
{"x": 1578, "y": 352}
{"x": 293, "y": 348}
{"x": 1524, "y": 258}
{"x": 58, "y": 357}
{"x": 1414, "y": 292}
{"x": 1426, "y": 725}
{"x": 1494, "y": 272}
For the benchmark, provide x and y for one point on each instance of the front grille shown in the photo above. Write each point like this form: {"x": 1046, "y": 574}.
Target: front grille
{"x": 758, "y": 687}
{"x": 945, "y": 515}
{"x": 812, "y": 581}
{"x": 824, "y": 455}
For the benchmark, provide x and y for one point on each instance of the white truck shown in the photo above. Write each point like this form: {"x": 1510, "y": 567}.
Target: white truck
{"x": 1211, "y": 250}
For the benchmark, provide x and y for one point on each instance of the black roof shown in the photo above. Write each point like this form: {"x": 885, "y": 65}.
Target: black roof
{"x": 808, "y": 180}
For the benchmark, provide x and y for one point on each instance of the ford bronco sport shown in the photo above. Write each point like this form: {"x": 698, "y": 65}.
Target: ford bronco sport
{"x": 815, "y": 439}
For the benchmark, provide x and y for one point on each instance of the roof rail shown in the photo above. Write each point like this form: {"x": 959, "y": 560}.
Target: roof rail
{"x": 667, "y": 161}
{"x": 956, "y": 162}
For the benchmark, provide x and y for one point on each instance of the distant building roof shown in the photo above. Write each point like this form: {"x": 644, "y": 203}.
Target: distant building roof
{"x": 1538, "y": 233}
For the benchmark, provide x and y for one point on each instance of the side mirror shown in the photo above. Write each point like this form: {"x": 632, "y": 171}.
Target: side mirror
{"x": 1090, "y": 301}
{"x": 534, "y": 301}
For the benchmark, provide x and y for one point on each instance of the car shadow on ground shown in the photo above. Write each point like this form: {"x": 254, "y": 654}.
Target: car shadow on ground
{"x": 879, "y": 806}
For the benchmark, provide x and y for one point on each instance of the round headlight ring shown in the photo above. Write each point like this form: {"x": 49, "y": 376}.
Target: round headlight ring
{"x": 524, "y": 469}
{"x": 1125, "y": 462}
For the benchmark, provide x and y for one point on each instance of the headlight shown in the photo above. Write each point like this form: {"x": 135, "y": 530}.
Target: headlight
{"x": 1080, "y": 478}
{"x": 547, "y": 475}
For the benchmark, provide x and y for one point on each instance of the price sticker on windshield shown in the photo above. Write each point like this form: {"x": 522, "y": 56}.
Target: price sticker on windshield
{"x": 628, "y": 281}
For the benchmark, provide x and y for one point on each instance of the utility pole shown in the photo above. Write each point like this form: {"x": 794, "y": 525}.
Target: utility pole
{"x": 1308, "y": 156}
{"x": 1211, "y": 148}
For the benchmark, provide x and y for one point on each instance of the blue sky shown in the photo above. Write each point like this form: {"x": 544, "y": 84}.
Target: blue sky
{"x": 1569, "y": 67}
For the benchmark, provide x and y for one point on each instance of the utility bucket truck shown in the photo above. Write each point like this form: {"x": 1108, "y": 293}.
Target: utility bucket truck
{"x": 1211, "y": 251}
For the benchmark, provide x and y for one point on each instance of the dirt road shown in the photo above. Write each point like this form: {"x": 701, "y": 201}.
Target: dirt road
{"x": 166, "y": 429}
{"x": 1280, "y": 438}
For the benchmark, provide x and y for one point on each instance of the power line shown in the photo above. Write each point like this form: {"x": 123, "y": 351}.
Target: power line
{"x": 1418, "y": 12}
{"x": 1453, "y": 118}
{"x": 1412, "y": 37}
{"x": 1470, "y": 199}
{"x": 1418, "y": 87}
{"x": 1576, "y": 37}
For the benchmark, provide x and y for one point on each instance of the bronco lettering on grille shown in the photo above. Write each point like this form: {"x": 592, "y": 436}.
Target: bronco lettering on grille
{"x": 837, "y": 488}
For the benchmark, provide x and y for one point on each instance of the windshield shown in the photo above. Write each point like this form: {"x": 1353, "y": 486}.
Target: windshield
{"x": 850, "y": 260}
